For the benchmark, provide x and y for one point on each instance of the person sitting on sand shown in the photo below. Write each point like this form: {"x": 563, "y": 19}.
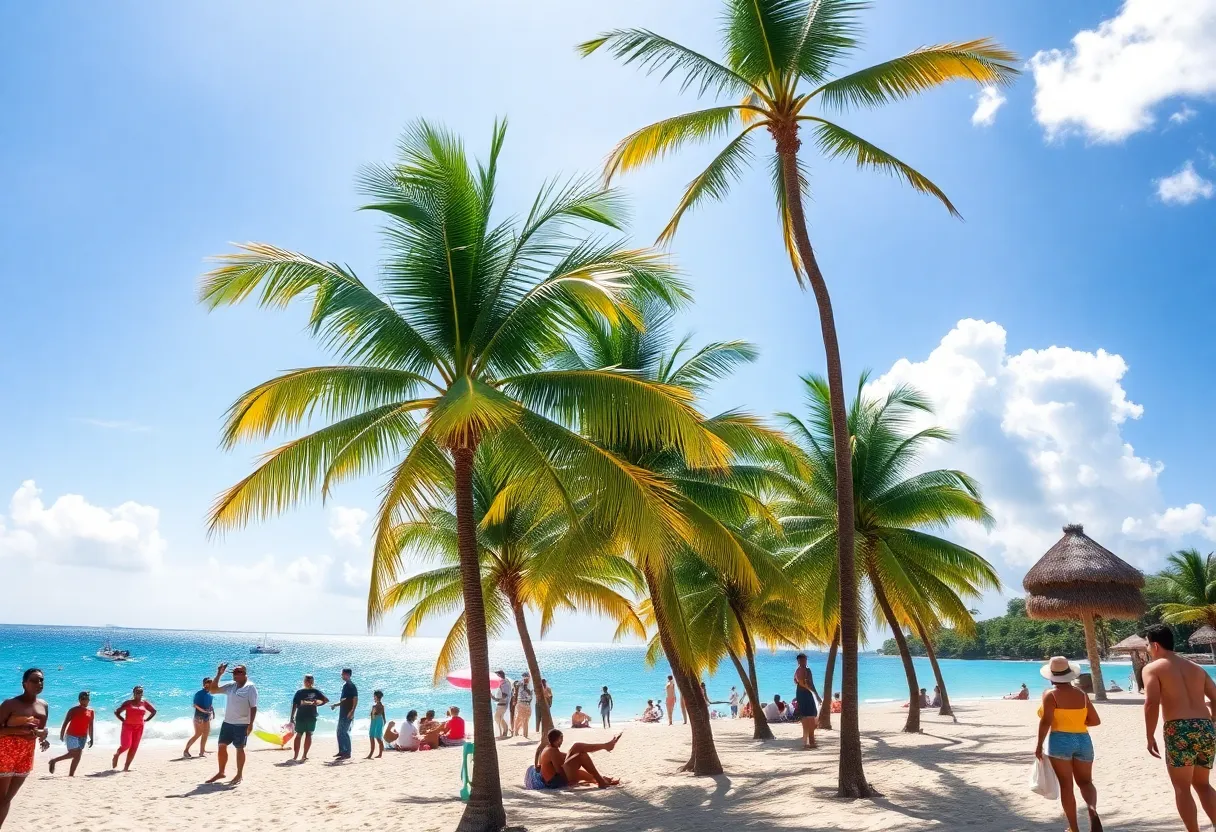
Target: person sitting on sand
{"x": 557, "y": 769}
{"x": 578, "y": 719}
{"x": 404, "y": 740}
{"x": 427, "y": 726}
{"x": 1068, "y": 714}
{"x": 1114, "y": 687}
{"x": 837, "y": 703}
{"x": 450, "y": 732}
{"x": 922, "y": 699}
{"x": 650, "y": 714}
{"x": 937, "y": 697}
{"x": 1021, "y": 695}
{"x": 777, "y": 711}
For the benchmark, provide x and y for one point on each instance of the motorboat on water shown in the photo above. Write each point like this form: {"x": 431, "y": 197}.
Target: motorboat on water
{"x": 108, "y": 653}
{"x": 265, "y": 647}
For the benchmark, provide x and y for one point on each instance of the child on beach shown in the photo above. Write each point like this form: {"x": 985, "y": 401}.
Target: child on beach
{"x": 77, "y": 729}
{"x": 375, "y": 733}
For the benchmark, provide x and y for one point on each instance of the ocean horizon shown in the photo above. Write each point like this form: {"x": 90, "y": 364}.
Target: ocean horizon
{"x": 170, "y": 665}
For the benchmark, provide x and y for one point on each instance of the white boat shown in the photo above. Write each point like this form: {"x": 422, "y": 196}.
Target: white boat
{"x": 265, "y": 647}
{"x": 107, "y": 653}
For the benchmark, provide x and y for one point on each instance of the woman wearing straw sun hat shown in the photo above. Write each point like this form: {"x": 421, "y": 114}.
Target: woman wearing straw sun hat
{"x": 1068, "y": 714}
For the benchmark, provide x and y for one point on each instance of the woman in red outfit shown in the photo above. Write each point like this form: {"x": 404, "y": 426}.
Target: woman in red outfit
{"x": 133, "y": 714}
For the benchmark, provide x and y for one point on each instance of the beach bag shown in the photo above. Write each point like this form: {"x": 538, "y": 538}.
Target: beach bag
{"x": 1042, "y": 780}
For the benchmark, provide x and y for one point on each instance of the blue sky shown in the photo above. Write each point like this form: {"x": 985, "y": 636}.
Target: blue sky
{"x": 139, "y": 139}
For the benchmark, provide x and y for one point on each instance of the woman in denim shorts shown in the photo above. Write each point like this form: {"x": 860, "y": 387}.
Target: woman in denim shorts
{"x": 1068, "y": 714}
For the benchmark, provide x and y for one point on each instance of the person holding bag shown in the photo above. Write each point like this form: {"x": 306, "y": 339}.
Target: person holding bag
{"x": 1068, "y": 714}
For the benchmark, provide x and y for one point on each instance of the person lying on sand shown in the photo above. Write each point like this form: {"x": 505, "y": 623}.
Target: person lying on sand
{"x": 578, "y": 719}
{"x": 559, "y": 769}
{"x": 1021, "y": 695}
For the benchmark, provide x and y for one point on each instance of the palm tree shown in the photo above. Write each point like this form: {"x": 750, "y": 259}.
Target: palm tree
{"x": 703, "y": 502}
{"x": 1189, "y": 582}
{"x": 531, "y": 560}
{"x": 451, "y": 355}
{"x": 780, "y": 55}
{"x": 914, "y": 576}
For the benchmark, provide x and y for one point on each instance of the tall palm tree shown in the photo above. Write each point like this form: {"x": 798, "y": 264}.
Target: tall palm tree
{"x": 1189, "y": 582}
{"x": 780, "y": 59}
{"x": 531, "y": 560}
{"x": 451, "y": 355}
{"x": 703, "y": 502}
{"x": 914, "y": 576}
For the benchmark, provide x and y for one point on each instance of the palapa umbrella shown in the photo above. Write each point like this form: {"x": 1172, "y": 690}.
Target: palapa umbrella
{"x": 1205, "y": 635}
{"x": 1079, "y": 578}
{"x": 1136, "y": 647}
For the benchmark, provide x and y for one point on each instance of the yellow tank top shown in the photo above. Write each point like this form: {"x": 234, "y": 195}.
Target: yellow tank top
{"x": 1068, "y": 720}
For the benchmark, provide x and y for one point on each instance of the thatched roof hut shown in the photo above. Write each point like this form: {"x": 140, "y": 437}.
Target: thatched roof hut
{"x": 1204, "y": 635}
{"x": 1132, "y": 644}
{"x": 1081, "y": 579}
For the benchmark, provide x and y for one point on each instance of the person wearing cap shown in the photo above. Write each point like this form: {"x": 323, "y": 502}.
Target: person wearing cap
{"x": 523, "y": 706}
{"x": 240, "y": 711}
{"x": 1068, "y": 714}
{"x": 502, "y": 700}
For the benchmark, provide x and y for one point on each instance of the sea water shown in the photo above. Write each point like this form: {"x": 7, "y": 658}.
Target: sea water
{"x": 170, "y": 665}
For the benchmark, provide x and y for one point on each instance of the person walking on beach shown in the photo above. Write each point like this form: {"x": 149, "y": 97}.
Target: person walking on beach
{"x": 76, "y": 731}
{"x": 671, "y": 699}
{"x": 1185, "y": 695}
{"x": 1068, "y": 714}
{"x": 203, "y": 713}
{"x": 133, "y": 714}
{"x": 346, "y": 713}
{"x": 502, "y": 701}
{"x": 523, "y": 706}
{"x": 240, "y": 710}
{"x": 23, "y": 721}
{"x": 734, "y": 703}
{"x": 375, "y": 732}
{"x": 547, "y": 692}
{"x": 304, "y": 716}
{"x": 606, "y": 708}
{"x": 804, "y": 700}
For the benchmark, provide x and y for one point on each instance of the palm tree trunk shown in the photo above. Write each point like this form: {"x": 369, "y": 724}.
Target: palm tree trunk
{"x": 912, "y": 726}
{"x": 825, "y": 711}
{"x": 484, "y": 812}
{"x": 704, "y": 759}
{"x": 1095, "y": 661}
{"x": 851, "y": 779}
{"x": 937, "y": 671}
{"x": 761, "y": 729}
{"x": 538, "y": 697}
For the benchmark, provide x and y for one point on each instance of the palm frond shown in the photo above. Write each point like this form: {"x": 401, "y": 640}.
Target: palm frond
{"x": 655, "y": 53}
{"x": 714, "y": 182}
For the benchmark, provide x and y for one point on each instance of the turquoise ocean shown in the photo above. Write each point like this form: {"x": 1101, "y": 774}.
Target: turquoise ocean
{"x": 170, "y": 664}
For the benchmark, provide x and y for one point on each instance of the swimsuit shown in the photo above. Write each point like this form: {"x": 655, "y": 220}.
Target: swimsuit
{"x": 376, "y": 731}
{"x": 1190, "y": 742}
{"x": 16, "y": 756}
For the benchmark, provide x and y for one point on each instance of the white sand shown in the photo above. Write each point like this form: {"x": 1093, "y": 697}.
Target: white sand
{"x": 969, "y": 776}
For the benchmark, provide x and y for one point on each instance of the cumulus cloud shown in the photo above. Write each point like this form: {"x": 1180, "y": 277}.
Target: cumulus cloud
{"x": 1042, "y": 430}
{"x": 988, "y": 101}
{"x": 73, "y": 531}
{"x": 1184, "y": 186}
{"x": 116, "y": 424}
{"x": 1109, "y": 82}
{"x": 346, "y": 525}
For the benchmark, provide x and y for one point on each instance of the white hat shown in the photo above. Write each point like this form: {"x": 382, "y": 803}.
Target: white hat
{"x": 1060, "y": 670}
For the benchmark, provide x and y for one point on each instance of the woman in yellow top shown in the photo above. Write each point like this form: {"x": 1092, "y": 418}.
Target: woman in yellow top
{"x": 1068, "y": 714}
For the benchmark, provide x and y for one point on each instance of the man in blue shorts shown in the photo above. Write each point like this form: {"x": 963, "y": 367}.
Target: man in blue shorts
{"x": 240, "y": 711}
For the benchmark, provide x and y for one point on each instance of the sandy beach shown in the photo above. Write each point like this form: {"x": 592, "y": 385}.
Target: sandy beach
{"x": 970, "y": 775}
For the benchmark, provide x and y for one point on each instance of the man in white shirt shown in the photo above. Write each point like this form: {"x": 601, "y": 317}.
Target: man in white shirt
{"x": 502, "y": 698}
{"x": 240, "y": 711}
{"x": 523, "y": 706}
{"x": 734, "y": 703}
{"x": 774, "y": 711}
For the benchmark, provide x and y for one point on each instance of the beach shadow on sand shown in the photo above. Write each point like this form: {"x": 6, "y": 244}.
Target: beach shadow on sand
{"x": 109, "y": 772}
{"x": 204, "y": 788}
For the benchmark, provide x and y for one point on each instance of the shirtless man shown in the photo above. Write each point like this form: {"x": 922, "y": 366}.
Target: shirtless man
{"x": 22, "y": 727}
{"x": 1179, "y": 688}
{"x": 559, "y": 769}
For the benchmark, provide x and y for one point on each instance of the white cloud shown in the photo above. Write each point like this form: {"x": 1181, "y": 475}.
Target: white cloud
{"x": 112, "y": 424}
{"x": 1184, "y": 115}
{"x": 988, "y": 101}
{"x": 1042, "y": 431}
{"x": 73, "y": 531}
{"x": 1108, "y": 83}
{"x": 1184, "y": 187}
{"x": 349, "y": 579}
{"x": 346, "y": 525}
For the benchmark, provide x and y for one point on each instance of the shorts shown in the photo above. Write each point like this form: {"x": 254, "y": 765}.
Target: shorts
{"x": 1190, "y": 742}
{"x": 75, "y": 743}
{"x": 305, "y": 724}
{"x": 734, "y": 710}
{"x": 16, "y": 756}
{"x": 557, "y": 781}
{"x": 199, "y": 719}
{"x": 1069, "y": 746}
{"x": 235, "y": 735}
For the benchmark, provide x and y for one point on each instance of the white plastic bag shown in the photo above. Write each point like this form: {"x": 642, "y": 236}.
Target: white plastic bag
{"x": 1042, "y": 780}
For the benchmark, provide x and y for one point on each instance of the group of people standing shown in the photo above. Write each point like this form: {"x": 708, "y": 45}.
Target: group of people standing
{"x": 514, "y": 699}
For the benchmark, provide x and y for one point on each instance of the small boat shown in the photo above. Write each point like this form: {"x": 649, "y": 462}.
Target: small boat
{"x": 107, "y": 653}
{"x": 265, "y": 647}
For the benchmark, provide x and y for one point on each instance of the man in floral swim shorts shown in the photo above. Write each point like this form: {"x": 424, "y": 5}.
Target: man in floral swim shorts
{"x": 22, "y": 728}
{"x": 1185, "y": 695}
